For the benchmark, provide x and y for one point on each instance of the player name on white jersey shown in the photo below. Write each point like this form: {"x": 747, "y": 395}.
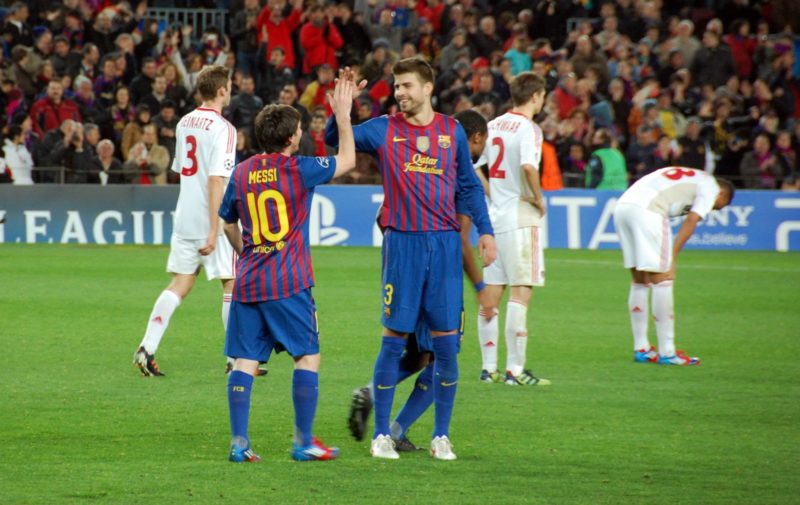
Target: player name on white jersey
{"x": 197, "y": 123}
{"x": 514, "y": 141}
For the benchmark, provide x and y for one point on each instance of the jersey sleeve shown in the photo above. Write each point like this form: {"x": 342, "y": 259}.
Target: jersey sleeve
{"x": 369, "y": 136}
{"x": 707, "y": 192}
{"x": 228, "y": 209}
{"x": 316, "y": 170}
{"x": 223, "y": 152}
{"x": 529, "y": 151}
{"x": 470, "y": 198}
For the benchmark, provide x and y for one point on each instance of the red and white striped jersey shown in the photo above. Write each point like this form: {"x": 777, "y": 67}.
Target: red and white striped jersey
{"x": 205, "y": 144}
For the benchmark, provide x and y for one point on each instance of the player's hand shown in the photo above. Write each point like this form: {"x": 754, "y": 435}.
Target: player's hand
{"x": 487, "y": 249}
{"x": 211, "y": 244}
{"x": 341, "y": 100}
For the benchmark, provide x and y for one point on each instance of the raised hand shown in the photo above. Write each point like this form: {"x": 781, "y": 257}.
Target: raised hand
{"x": 341, "y": 100}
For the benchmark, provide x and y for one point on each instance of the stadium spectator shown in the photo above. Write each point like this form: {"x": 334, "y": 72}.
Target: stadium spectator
{"x": 88, "y": 64}
{"x": 147, "y": 160}
{"x": 63, "y": 57}
{"x": 166, "y": 122}
{"x": 18, "y": 160}
{"x": 74, "y": 156}
{"x": 107, "y": 167}
{"x": 280, "y": 28}
{"x": 788, "y": 158}
{"x": 16, "y": 30}
{"x": 373, "y": 65}
{"x": 245, "y": 38}
{"x": 142, "y": 84}
{"x": 760, "y": 168}
{"x": 154, "y": 99}
{"x": 713, "y": 63}
{"x": 49, "y": 112}
{"x": 132, "y": 133}
{"x": 244, "y": 105}
{"x": 518, "y": 55}
{"x": 176, "y": 91}
{"x": 455, "y": 50}
{"x": 485, "y": 41}
{"x": 106, "y": 83}
{"x": 273, "y": 74}
{"x": 358, "y": 40}
{"x": 21, "y": 74}
{"x": 386, "y": 29}
{"x": 244, "y": 146}
{"x": 606, "y": 168}
{"x": 314, "y": 94}
{"x": 320, "y": 39}
{"x": 692, "y": 150}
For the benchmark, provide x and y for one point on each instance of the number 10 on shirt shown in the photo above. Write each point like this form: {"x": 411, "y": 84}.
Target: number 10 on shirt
{"x": 259, "y": 215}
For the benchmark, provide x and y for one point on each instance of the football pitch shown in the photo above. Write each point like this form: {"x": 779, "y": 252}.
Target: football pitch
{"x": 79, "y": 425}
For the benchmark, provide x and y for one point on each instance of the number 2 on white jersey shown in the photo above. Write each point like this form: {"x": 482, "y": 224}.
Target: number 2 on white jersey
{"x": 494, "y": 171}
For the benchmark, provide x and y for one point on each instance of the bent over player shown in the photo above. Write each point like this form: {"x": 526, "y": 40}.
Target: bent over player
{"x": 641, "y": 218}
{"x": 272, "y": 309}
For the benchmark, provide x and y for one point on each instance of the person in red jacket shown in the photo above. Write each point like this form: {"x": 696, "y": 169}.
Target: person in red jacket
{"x": 319, "y": 39}
{"x": 279, "y": 29}
{"x": 49, "y": 112}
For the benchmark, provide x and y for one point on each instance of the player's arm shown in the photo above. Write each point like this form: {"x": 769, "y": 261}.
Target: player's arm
{"x": 468, "y": 257}
{"x": 229, "y": 213}
{"x": 470, "y": 192}
{"x": 341, "y": 103}
{"x": 216, "y": 188}
{"x": 684, "y": 232}
{"x": 221, "y": 166}
{"x": 532, "y": 176}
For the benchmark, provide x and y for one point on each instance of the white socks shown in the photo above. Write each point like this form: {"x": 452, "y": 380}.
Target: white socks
{"x": 165, "y": 305}
{"x": 226, "y": 310}
{"x": 638, "y": 309}
{"x": 516, "y": 336}
{"x": 664, "y": 316}
{"x": 487, "y": 336}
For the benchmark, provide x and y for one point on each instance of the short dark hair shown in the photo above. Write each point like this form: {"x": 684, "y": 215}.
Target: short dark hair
{"x": 417, "y": 66}
{"x": 88, "y": 48}
{"x": 472, "y": 121}
{"x": 14, "y": 130}
{"x": 525, "y": 85}
{"x": 274, "y": 127}
{"x": 726, "y": 185}
{"x": 210, "y": 79}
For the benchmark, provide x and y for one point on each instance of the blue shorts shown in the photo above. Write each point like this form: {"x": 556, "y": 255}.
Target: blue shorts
{"x": 422, "y": 280}
{"x": 422, "y": 341}
{"x": 288, "y": 324}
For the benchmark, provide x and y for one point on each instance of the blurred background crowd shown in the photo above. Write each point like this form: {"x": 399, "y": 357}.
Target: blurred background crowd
{"x": 91, "y": 90}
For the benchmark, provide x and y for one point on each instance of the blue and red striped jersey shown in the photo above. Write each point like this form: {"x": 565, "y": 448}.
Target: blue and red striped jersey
{"x": 271, "y": 195}
{"x": 423, "y": 168}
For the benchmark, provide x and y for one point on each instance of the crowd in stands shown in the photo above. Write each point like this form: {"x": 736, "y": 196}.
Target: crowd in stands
{"x": 97, "y": 87}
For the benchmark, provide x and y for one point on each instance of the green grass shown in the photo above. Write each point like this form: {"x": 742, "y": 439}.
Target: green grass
{"x": 78, "y": 425}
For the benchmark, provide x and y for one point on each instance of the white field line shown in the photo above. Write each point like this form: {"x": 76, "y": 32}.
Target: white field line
{"x": 682, "y": 266}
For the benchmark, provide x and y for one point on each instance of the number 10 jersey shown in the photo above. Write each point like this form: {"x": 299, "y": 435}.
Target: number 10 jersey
{"x": 271, "y": 195}
{"x": 205, "y": 144}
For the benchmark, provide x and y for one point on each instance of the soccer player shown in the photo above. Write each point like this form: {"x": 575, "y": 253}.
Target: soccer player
{"x": 204, "y": 156}
{"x": 514, "y": 152}
{"x": 425, "y": 162}
{"x": 641, "y": 218}
{"x": 273, "y": 310}
{"x": 418, "y": 353}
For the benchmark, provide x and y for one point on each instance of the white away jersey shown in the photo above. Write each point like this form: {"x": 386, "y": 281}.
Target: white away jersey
{"x": 514, "y": 140}
{"x": 674, "y": 191}
{"x": 205, "y": 144}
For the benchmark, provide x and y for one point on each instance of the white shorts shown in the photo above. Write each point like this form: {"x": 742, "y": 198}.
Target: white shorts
{"x": 520, "y": 259}
{"x": 184, "y": 258}
{"x": 645, "y": 237}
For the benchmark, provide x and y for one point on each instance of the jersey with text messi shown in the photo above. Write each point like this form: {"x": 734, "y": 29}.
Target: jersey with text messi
{"x": 271, "y": 195}
{"x": 423, "y": 169}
